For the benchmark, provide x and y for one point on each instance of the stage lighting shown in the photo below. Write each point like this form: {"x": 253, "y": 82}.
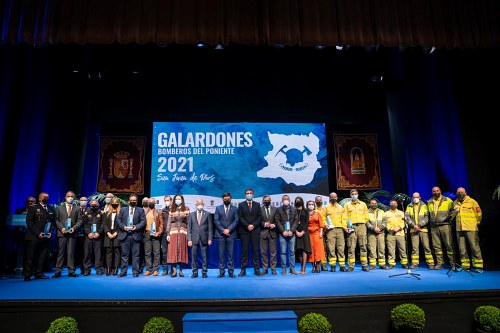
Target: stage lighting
{"x": 320, "y": 47}
{"x": 219, "y": 46}
{"x": 339, "y": 47}
{"x": 279, "y": 46}
{"x": 201, "y": 45}
{"x": 429, "y": 50}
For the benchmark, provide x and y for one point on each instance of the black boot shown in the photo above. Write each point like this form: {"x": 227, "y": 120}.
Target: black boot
{"x": 108, "y": 271}
{"x": 180, "y": 271}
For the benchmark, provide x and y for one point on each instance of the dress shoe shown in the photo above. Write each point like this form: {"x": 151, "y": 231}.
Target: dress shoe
{"x": 243, "y": 272}
{"x": 194, "y": 275}
{"x": 283, "y": 271}
{"x": 56, "y": 275}
{"x": 27, "y": 279}
{"x": 257, "y": 272}
{"x": 383, "y": 267}
{"x": 165, "y": 272}
{"x": 264, "y": 272}
{"x": 107, "y": 270}
{"x": 204, "y": 275}
{"x": 173, "y": 272}
{"x": 273, "y": 271}
{"x": 372, "y": 267}
{"x": 155, "y": 273}
{"x": 365, "y": 269}
{"x": 342, "y": 269}
{"x": 333, "y": 268}
{"x": 350, "y": 269}
{"x": 100, "y": 272}
{"x": 72, "y": 274}
{"x": 180, "y": 273}
{"x": 136, "y": 274}
{"x": 221, "y": 275}
{"x": 41, "y": 276}
{"x": 148, "y": 273}
{"x": 115, "y": 271}
{"x": 231, "y": 275}
{"x": 122, "y": 274}
{"x": 405, "y": 266}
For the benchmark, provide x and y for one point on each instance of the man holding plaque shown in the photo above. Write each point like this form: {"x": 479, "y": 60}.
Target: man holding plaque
{"x": 93, "y": 229}
{"x": 132, "y": 222}
{"x": 268, "y": 235}
{"x": 334, "y": 234}
{"x": 152, "y": 241}
{"x": 40, "y": 221}
{"x": 69, "y": 220}
{"x": 200, "y": 231}
{"x": 226, "y": 221}
{"x": 287, "y": 221}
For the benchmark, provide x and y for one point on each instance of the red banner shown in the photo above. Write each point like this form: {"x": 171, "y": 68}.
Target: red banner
{"x": 121, "y": 165}
{"x": 356, "y": 161}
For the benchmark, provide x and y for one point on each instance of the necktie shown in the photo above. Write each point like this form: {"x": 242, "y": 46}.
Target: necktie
{"x": 267, "y": 213}
{"x": 250, "y": 205}
{"x": 199, "y": 217}
{"x": 69, "y": 210}
{"x": 227, "y": 211}
{"x": 131, "y": 212}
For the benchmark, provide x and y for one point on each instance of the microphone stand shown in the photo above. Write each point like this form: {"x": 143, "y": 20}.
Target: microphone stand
{"x": 408, "y": 271}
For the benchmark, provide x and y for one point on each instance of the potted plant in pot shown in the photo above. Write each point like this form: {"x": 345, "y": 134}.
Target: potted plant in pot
{"x": 487, "y": 318}
{"x": 314, "y": 323}
{"x": 63, "y": 325}
{"x": 158, "y": 325}
{"x": 408, "y": 317}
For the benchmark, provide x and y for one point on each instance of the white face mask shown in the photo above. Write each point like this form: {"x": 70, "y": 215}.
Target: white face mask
{"x": 310, "y": 207}
{"x": 107, "y": 200}
{"x": 69, "y": 200}
{"x": 354, "y": 197}
{"x": 178, "y": 202}
{"x": 199, "y": 207}
{"x": 416, "y": 200}
{"x": 249, "y": 197}
{"x": 83, "y": 203}
{"x": 286, "y": 202}
{"x": 167, "y": 203}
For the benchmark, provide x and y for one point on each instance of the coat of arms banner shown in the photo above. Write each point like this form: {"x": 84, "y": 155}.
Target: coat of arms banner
{"x": 121, "y": 165}
{"x": 356, "y": 161}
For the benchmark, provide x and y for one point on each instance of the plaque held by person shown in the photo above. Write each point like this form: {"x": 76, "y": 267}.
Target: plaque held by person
{"x": 67, "y": 224}
{"x": 46, "y": 230}
{"x": 287, "y": 226}
{"x": 130, "y": 222}
{"x": 329, "y": 223}
{"x": 349, "y": 225}
{"x": 93, "y": 228}
{"x": 152, "y": 231}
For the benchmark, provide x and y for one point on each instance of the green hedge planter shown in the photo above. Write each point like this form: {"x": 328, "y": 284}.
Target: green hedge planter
{"x": 487, "y": 318}
{"x": 314, "y": 323}
{"x": 158, "y": 325}
{"x": 63, "y": 325}
{"x": 408, "y": 317}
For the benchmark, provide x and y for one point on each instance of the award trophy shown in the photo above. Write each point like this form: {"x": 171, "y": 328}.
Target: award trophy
{"x": 46, "y": 230}
{"x": 67, "y": 224}
{"x": 152, "y": 232}
{"x": 93, "y": 228}
{"x": 329, "y": 223}
{"x": 287, "y": 226}
{"x": 349, "y": 225}
{"x": 130, "y": 222}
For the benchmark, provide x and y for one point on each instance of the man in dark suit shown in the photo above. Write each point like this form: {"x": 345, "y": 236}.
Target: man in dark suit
{"x": 68, "y": 222}
{"x": 268, "y": 235}
{"x": 250, "y": 215}
{"x": 30, "y": 201}
{"x": 131, "y": 222}
{"x": 200, "y": 231}
{"x": 40, "y": 222}
{"x": 226, "y": 220}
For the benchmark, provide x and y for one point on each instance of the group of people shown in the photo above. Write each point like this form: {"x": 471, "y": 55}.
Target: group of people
{"x": 306, "y": 230}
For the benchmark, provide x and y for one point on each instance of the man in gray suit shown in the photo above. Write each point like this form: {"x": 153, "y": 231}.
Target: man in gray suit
{"x": 68, "y": 221}
{"x": 268, "y": 235}
{"x": 226, "y": 220}
{"x": 200, "y": 231}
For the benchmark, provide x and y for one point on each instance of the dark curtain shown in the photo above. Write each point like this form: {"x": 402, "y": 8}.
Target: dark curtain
{"x": 440, "y": 23}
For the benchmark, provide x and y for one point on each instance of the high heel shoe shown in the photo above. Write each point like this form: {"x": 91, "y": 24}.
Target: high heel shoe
{"x": 180, "y": 273}
{"x": 173, "y": 272}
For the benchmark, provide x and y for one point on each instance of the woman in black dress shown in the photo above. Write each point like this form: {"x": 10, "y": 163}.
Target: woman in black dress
{"x": 302, "y": 242}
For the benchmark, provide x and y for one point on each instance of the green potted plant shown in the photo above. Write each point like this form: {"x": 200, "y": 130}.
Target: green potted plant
{"x": 63, "y": 325}
{"x": 158, "y": 325}
{"x": 487, "y": 318}
{"x": 314, "y": 323}
{"x": 408, "y": 317}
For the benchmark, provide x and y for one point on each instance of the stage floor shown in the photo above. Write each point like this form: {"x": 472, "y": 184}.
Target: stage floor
{"x": 325, "y": 284}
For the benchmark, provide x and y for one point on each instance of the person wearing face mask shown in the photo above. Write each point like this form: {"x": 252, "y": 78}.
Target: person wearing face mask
{"x": 152, "y": 238}
{"x": 80, "y": 235}
{"x": 142, "y": 255}
{"x": 321, "y": 209}
{"x": 395, "y": 225}
{"x": 30, "y": 201}
{"x": 355, "y": 217}
{"x": 68, "y": 222}
{"x": 417, "y": 218}
{"x": 468, "y": 218}
{"x": 107, "y": 202}
{"x": 268, "y": 235}
{"x": 302, "y": 240}
{"x": 440, "y": 210}
{"x": 111, "y": 242}
{"x": 287, "y": 221}
{"x": 40, "y": 222}
{"x": 376, "y": 235}
{"x": 250, "y": 216}
{"x": 226, "y": 221}
{"x": 131, "y": 223}
{"x": 93, "y": 229}
{"x": 200, "y": 233}
{"x": 334, "y": 234}
{"x": 177, "y": 235}
{"x": 315, "y": 227}
{"x": 167, "y": 200}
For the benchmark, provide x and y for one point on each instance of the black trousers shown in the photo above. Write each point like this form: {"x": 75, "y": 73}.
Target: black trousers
{"x": 66, "y": 252}
{"x": 253, "y": 238}
{"x": 36, "y": 252}
{"x": 92, "y": 247}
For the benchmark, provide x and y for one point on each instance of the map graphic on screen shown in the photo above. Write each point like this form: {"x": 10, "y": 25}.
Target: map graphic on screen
{"x": 204, "y": 160}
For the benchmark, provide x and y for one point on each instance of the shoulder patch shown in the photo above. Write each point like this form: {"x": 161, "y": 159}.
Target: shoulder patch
{"x": 478, "y": 209}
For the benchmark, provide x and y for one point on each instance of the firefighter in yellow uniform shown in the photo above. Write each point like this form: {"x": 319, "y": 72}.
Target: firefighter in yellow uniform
{"x": 334, "y": 234}
{"x": 468, "y": 218}
{"x": 322, "y": 212}
{"x": 417, "y": 218}
{"x": 440, "y": 210}
{"x": 355, "y": 218}
{"x": 395, "y": 235}
{"x": 376, "y": 235}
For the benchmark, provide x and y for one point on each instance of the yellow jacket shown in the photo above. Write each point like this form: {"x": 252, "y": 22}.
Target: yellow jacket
{"x": 335, "y": 213}
{"x": 395, "y": 219}
{"x": 469, "y": 214}
{"x": 357, "y": 212}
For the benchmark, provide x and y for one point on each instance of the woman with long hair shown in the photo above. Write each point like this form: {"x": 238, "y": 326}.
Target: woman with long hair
{"x": 302, "y": 240}
{"x": 177, "y": 235}
{"x": 111, "y": 242}
{"x": 315, "y": 226}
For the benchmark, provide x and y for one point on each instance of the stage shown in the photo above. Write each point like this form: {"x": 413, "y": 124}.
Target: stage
{"x": 356, "y": 300}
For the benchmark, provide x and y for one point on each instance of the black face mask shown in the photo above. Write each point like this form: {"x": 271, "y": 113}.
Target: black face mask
{"x": 332, "y": 201}
{"x": 45, "y": 200}
{"x": 115, "y": 206}
{"x": 298, "y": 204}
{"x": 267, "y": 203}
{"x": 94, "y": 208}
{"x": 132, "y": 204}
{"x": 151, "y": 205}
{"x": 319, "y": 203}
{"x": 227, "y": 202}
